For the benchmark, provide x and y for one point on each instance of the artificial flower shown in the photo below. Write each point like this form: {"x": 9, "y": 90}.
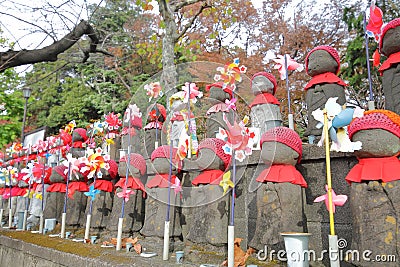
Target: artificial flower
{"x": 153, "y": 90}
{"x": 337, "y": 200}
{"x": 291, "y": 65}
{"x": 226, "y": 182}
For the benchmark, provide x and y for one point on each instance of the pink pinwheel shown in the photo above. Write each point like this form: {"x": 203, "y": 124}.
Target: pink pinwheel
{"x": 74, "y": 164}
{"x": 37, "y": 171}
{"x": 125, "y": 194}
{"x": 231, "y": 104}
{"x": 230, "y": 73}
{"x": 337, "y": 200}
{"x": 177, "y": 186}
{"x": 113, "y": 121}
{"x": 291, "y": 65}
{"x": 375, "y": 21}
{"x": 131, "y": 112}
{"x": 153, "y": 90}
{"x": 194, "y": 92}
{"x": 238, "y": 138}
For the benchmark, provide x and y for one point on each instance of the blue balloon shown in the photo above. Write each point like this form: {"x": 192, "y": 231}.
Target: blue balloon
{"x": 343, "y": 118}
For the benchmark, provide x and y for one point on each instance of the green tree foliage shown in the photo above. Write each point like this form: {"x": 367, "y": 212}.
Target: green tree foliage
{"x": 356, "y": 71}
{"x": 11, "y": 108}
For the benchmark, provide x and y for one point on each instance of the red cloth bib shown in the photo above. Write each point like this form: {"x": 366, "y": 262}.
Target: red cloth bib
{"x": 209, "y": 177}
{"x": 103, "y": 185}
{"x": 327, "y": 77}
{"x": 392, "y": 59}
{"x": 160, "y": 180}
{"x": 57, "y": 187}
{"x": 375, "y": 169}
{"x": 282, "y": 174}
{"x": 77, "y": 186}
{"x": 265, "y": 98}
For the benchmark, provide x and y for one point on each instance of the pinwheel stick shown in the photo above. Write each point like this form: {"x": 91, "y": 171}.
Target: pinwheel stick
{"x": 231, "y": 226}
{"x": 41, "y": 221}
{"x": 29, "y": 191}
{"x": 64, "y": 214}
{"x": 371, "y": 103}
{"x": 9, "y": 201}
{"x": 189, "y": 126}
{"x": 333, "y": 240}
{"x": 89, "y": 215}
{"x": 290, "y": 115}
{"x": 166, "y": 225}
{"x": 128, "y": 159}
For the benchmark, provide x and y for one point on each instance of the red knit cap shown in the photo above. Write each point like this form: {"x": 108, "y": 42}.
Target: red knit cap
{"x": 113, "y": 170}
{"x": 82, "y": 133}
{"x": 391, "y": 25}
{"x": 137, "y": 161}
{"x": 65, "y": 137}
{"x": 285, "y": 136}
{"x": 227, "y": 89}
{"x": 332, "y": 51}
{"x": 60, "y": 169}
{"x": 269, "y": 76}
{"x": 376, "y": 119}
{"x": 215, "y": 145}
{"x": 163, "y": 152}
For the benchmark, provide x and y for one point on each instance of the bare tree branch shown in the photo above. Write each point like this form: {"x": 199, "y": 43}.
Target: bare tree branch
{"x": 190, "y": 23}
{"x": 176, "y": 6}
{"x": 12, "y": 58}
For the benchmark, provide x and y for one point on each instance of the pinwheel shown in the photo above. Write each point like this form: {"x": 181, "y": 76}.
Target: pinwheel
{"x": 291, "y": 65}
{"x": 113, "y": 121}
{"x": 153, "y": 90}
{"x": 73, "y": 166}
{"x": 191, "y": 91}
{"x": 125, "y": 194}
{"x": 177, "y": 186}
{"x": 69, "y": 128}
{"x": 337, "y": 200}
{"x": 92, "y": 192}
{"x": 226, "y": 182}
{"x": 375, "y": 22}
{"x": 230, "y": 73}
{"x": 131, "y": 112}
{"x": 231, "y": 104}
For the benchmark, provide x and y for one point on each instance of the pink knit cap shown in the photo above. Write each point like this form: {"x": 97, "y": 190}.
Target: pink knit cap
{"x": 285, "y": 136}
{"x": 137, "y": 161}
{"x": 113, "y": 170}
{"x": 332, "y": 51}
{"x": 267, "y": 75}
{"x": 391, "y": 25}
{"x": 215, "y": 145}
{"x": 376, "y": 119}
{"x": 82, "y": 133}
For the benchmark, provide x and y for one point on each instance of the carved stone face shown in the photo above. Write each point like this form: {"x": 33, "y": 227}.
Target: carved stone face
{"x": 162, "y": 165}
{"x": 208, "y": 160}
{"x": 278, "y": 153}
{"x": 261, "y": 84}
{"x": 391, "y": 42}
{"x": 218, "y": 95}
{"x": 320, "y": 61}
{"x": 376, "y": 143}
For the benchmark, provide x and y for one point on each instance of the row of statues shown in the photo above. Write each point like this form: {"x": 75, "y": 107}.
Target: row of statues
{"x": 152, "y": 174}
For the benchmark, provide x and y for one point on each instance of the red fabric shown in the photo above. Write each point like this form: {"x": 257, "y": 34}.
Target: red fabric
{"x": 57, "y": 187}
{"x": 103, "y": 185}
{"x": 220, "y": 107}
{"x": 18, "y": 191}
{"x": 391, "y": 60}
{"x": 160, "y": 180}
{"x": 2, "y": 191}
{"x": 153, "y": 125}
{"x": 133, "y": 183}
{"x": 77, "y": 186}
{"x": 327, "y": 77}
{"x": 375, "y": 169}
{"x": 208, "y": 177}
{"x": 264, "y": 98}
{"x": 77, "y": 144}
{"x": 177, "y": 116}
{"x": 282, "y": 174}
